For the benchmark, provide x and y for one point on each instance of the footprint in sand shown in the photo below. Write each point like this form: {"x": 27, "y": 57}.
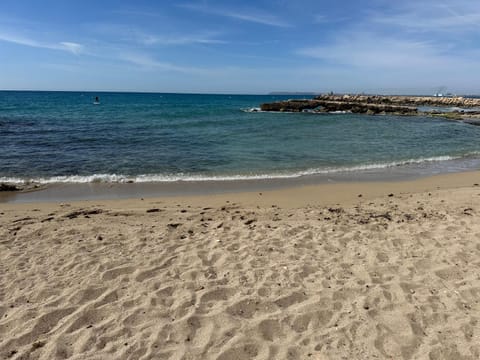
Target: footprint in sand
{"x": 247, "y": 351}
{"x": 114, "y": 273}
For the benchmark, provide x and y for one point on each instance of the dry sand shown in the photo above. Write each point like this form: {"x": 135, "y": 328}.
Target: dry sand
{"x": 281, "y": 275}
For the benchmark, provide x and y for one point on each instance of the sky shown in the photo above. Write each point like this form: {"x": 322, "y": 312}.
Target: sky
{"x": 249, "y": 46}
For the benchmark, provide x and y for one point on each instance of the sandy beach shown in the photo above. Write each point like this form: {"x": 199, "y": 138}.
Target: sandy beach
{"x": 341, "y": 271}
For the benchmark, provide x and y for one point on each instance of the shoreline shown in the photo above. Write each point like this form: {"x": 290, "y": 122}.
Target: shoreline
{"x": 303, "y": 192}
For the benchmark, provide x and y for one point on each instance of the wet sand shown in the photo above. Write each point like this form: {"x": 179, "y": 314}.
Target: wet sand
{"x": 353, "y": 270}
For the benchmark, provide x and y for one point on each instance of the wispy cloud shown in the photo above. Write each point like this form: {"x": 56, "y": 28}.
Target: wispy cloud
{"x": 68, "y": 46}
{"x": 364, "y": 49}
{"x": 320, "y": 19}
{"x": 74, "y": 48}
{"x": 325, "y": 19}
{"x": 243, "y": 15}
{"x": 134, "y": 34}
{"x": 409, "y": 44}
{"x": 148, "y": 62}
{"x": 152, "y": 39}
{"x": 433, "y": 16}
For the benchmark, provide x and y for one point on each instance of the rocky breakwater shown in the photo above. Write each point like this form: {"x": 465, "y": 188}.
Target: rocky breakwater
{"x": 403, "y": 100}
{"x": 333, "y": 103}
{"x": 291, "y": 105}
{"x": 383, "y": 105}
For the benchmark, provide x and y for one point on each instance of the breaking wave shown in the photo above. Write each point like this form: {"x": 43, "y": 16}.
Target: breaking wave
{"x": 164, "y": 178}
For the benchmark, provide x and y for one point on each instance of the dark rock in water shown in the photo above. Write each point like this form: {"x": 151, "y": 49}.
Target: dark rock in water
{"x": 291, "y": 105}
{"x": 472, "y": 122}
{"x": 321, "y": 105}
{"x": 9, "y": 187}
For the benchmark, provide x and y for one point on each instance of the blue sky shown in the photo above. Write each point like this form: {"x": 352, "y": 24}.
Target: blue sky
{"x": 241, "y": 46}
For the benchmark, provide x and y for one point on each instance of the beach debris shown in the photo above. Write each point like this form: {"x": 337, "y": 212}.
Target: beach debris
{"x": 173, "y": 225}
{"x": 366, "y": 220}
{"x": 409, "y": 217}
{"x": 154, "y": 210}
{"x": 9, "y": 187}
{"x": 335, "y": 210}
{"x": 38, "y": 345}
{"x": 249, "y": 222}
{"x": 76, "y": 214}
{"x": 386, "y": 216}
{"x": 391, "y": 195}
{"x": 468, "y": 211}
{"x": 22, "y": 219}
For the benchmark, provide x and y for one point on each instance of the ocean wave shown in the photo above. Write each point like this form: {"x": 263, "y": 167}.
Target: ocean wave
{"x": 253, "y": 109}
{"x": 164, "y": 178}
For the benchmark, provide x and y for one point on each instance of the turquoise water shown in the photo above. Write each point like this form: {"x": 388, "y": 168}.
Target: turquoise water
{"x": 64, "y": 137}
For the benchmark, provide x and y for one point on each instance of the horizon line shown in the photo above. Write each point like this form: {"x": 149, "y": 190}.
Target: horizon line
{"x": 272, "y": 93}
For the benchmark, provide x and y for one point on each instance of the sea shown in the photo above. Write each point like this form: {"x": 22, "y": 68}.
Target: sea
{"x": 64, "y": 137}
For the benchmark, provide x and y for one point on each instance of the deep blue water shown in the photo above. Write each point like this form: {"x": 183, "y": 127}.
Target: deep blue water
{"x": 63, "y": 136}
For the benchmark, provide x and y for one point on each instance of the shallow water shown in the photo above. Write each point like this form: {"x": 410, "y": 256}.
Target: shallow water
{"x": 64, "y": 137}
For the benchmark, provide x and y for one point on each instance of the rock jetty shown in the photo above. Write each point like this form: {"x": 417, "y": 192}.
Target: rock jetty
{"x": 323, "y": 106}
{"x": 381, "y": 105}
{"x": 404, "y": 100}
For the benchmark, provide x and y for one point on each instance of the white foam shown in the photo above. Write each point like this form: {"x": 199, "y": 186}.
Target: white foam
{"x": 254, "y": 109}
{"x": 162, "y": 178}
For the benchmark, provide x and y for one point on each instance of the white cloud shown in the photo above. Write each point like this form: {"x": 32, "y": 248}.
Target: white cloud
{"x": 378, "y": 61}
{"x": 74, "y": 48}
{"x": 252, "y": 16}
{"x": 71, "y": 47}
{"x": 149, "y": 39}
{"x": 148, "y": 62}
{"x": 372, "y": 51}
{"x": 320, "y": 19}
{"x": 20, "y": 40}
{"x": 432, "y": 16}
{"x": 127, "y": 33}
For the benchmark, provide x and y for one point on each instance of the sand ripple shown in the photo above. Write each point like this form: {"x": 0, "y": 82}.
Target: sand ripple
{"x": 396, "y": 278}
